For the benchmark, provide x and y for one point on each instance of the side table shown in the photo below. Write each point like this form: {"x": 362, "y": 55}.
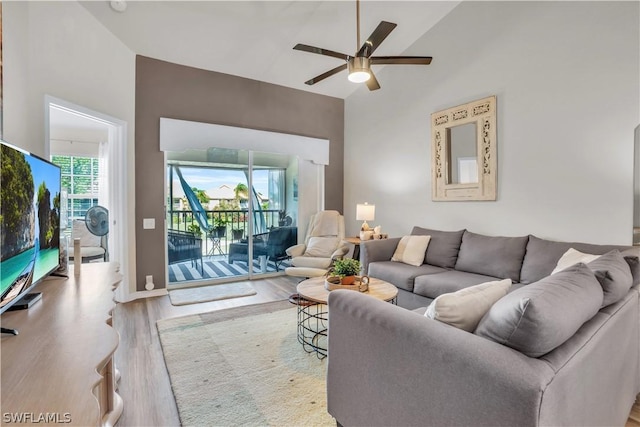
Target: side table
{"x": 313, "y": 311}
{"x": 355, "y": 241}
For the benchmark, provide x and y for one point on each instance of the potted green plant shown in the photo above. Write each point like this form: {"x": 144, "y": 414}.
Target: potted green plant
{"x": 195, "y": 229}
{"x": 347, "y": 269}
{"x": 219, "y": 226}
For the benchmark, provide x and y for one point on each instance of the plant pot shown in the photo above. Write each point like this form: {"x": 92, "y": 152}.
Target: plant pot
{"x": 348, "y": 280}
{"x": 238, "y": 234}
{"x": 220, "y": 231}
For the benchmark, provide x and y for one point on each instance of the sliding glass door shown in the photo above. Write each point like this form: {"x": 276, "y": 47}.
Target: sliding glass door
{"x": 231, "y": 214}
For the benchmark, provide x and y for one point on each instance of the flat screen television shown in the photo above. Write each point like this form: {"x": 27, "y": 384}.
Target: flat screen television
{"x": 29, "y": 222}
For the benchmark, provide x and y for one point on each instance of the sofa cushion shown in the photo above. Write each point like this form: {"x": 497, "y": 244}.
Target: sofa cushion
{"x": 443, "y": 247}
{"x": 614, "y": 275}
{"x": 434, "y": 285}
{"x": 572, "y": 257}
{"x": 542, "y": 256}
{"x": 611, "y": 269}
{"x": 311, "y": 262}
{"x": 464, "y": 308}
{"x": 400, "y": 274}
{"x": 492, "y": 255}
{"x": 92, "y": 251}
{"x": 411, "y": 250}
{"x": 539, "y": 317}
{"x": 321, "y": 247}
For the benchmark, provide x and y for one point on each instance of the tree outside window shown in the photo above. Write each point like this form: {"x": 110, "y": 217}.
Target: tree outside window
{"x": 79, "y": 177}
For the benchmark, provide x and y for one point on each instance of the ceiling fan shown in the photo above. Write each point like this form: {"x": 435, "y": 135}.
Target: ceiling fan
{"x": 359, "y": 65}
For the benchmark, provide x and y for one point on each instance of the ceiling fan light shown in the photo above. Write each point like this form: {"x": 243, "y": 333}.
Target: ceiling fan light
{"x": 359, "y": 69}
{"x": 359, "y": 76}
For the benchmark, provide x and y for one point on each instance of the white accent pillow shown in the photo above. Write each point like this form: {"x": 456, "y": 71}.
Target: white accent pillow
{"x": 321, "y": 247}
{"x": 573, "y": 257}
{"x": 464, "y": 308}
{"x": 411, "y": 250}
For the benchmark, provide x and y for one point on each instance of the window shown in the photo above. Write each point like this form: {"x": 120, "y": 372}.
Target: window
{"x": 80, "y": 181}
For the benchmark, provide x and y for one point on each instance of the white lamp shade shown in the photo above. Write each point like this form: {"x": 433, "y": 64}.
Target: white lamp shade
{"x": 365, "y": 212}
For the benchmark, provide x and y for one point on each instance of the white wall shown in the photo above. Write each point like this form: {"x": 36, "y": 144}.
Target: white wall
{"x": 566, "y": 76}
{"x": 60, "y": 49}
{"x": 74, "y": 148}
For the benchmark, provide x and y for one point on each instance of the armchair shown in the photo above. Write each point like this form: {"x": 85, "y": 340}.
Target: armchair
{"x": 92, "y": 247}
{"x": 271, "y": 245}
{"x": 323, "y": 243}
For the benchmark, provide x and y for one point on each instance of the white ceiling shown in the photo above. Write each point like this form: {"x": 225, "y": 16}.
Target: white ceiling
{"x": 71, "y": 133}
{"x": 255, "y": 39}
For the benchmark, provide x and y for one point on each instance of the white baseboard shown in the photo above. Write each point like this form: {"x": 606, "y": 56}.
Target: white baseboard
{"x": 144, "y": 294}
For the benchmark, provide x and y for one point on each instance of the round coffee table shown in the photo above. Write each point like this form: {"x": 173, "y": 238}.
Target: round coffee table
{"x": 313, "y": 311}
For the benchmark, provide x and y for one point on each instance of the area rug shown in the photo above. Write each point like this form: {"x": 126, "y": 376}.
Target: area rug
{"x": 215, "y": 269}
{"x": 244, "y": 366}
{"x": 210, "y": 293}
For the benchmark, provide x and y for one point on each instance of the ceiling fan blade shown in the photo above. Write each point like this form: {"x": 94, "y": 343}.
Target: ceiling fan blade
{"x": 372, "y": 83}
{"x": 327, "y": 74}
{"x": 320, "y": 51}
{"x": 407, "y": 60}
{"x": 377, "y": 37}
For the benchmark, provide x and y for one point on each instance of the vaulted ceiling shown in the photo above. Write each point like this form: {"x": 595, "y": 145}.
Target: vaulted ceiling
{"x": 254, "y": 39}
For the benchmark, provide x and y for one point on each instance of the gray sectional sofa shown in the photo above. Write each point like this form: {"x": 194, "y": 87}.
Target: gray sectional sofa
{"x": 391, "y": 365}
{"x": 458, "y": 259}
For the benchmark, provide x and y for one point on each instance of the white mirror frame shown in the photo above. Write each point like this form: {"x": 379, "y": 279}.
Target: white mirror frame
{"x": 483, "y": 113}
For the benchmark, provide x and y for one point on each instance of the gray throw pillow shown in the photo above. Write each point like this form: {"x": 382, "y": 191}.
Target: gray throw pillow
{"x": 614, "y": 275}
{"x": 443, "y": 247}
{"x": 634, "y": 266}
{"x": 539, "y": 317}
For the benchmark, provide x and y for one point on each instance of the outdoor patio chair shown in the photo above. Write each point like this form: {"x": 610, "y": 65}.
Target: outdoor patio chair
{"x": 271, "y": 245}
{"x": 184, "y": 246}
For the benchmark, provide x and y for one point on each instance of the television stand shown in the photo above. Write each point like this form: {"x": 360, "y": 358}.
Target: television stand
{"x": 69, "y": 341}
{"x": 9, "y": 331}
{"x": 26, "y": 301}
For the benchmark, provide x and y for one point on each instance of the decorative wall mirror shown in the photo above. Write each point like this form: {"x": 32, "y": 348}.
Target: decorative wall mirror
{"x": 464, "y": 152}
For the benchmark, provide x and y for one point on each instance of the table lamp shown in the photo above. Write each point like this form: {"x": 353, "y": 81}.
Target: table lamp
{"x": 365, "y": 212}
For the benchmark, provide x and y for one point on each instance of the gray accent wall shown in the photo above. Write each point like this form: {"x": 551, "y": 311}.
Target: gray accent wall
{"x": 175, "y": 91}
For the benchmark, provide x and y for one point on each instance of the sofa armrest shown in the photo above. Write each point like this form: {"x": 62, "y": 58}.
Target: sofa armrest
{"x": 377, "y": 250}
{"x": 296, "y": 250}
{"x": 391, "y": 366}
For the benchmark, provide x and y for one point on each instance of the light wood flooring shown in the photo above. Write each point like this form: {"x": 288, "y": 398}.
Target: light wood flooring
{"x": 144, "y": 384}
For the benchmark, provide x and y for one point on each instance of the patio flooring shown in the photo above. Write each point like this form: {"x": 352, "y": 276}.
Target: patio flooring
{"x": 217, "y": 267}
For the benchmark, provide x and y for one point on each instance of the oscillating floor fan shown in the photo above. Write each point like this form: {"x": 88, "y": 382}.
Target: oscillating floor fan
{"x": 97, "y": 220}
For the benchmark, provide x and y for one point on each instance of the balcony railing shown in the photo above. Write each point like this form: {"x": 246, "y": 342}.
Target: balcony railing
{"x": 233, "y": 224}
